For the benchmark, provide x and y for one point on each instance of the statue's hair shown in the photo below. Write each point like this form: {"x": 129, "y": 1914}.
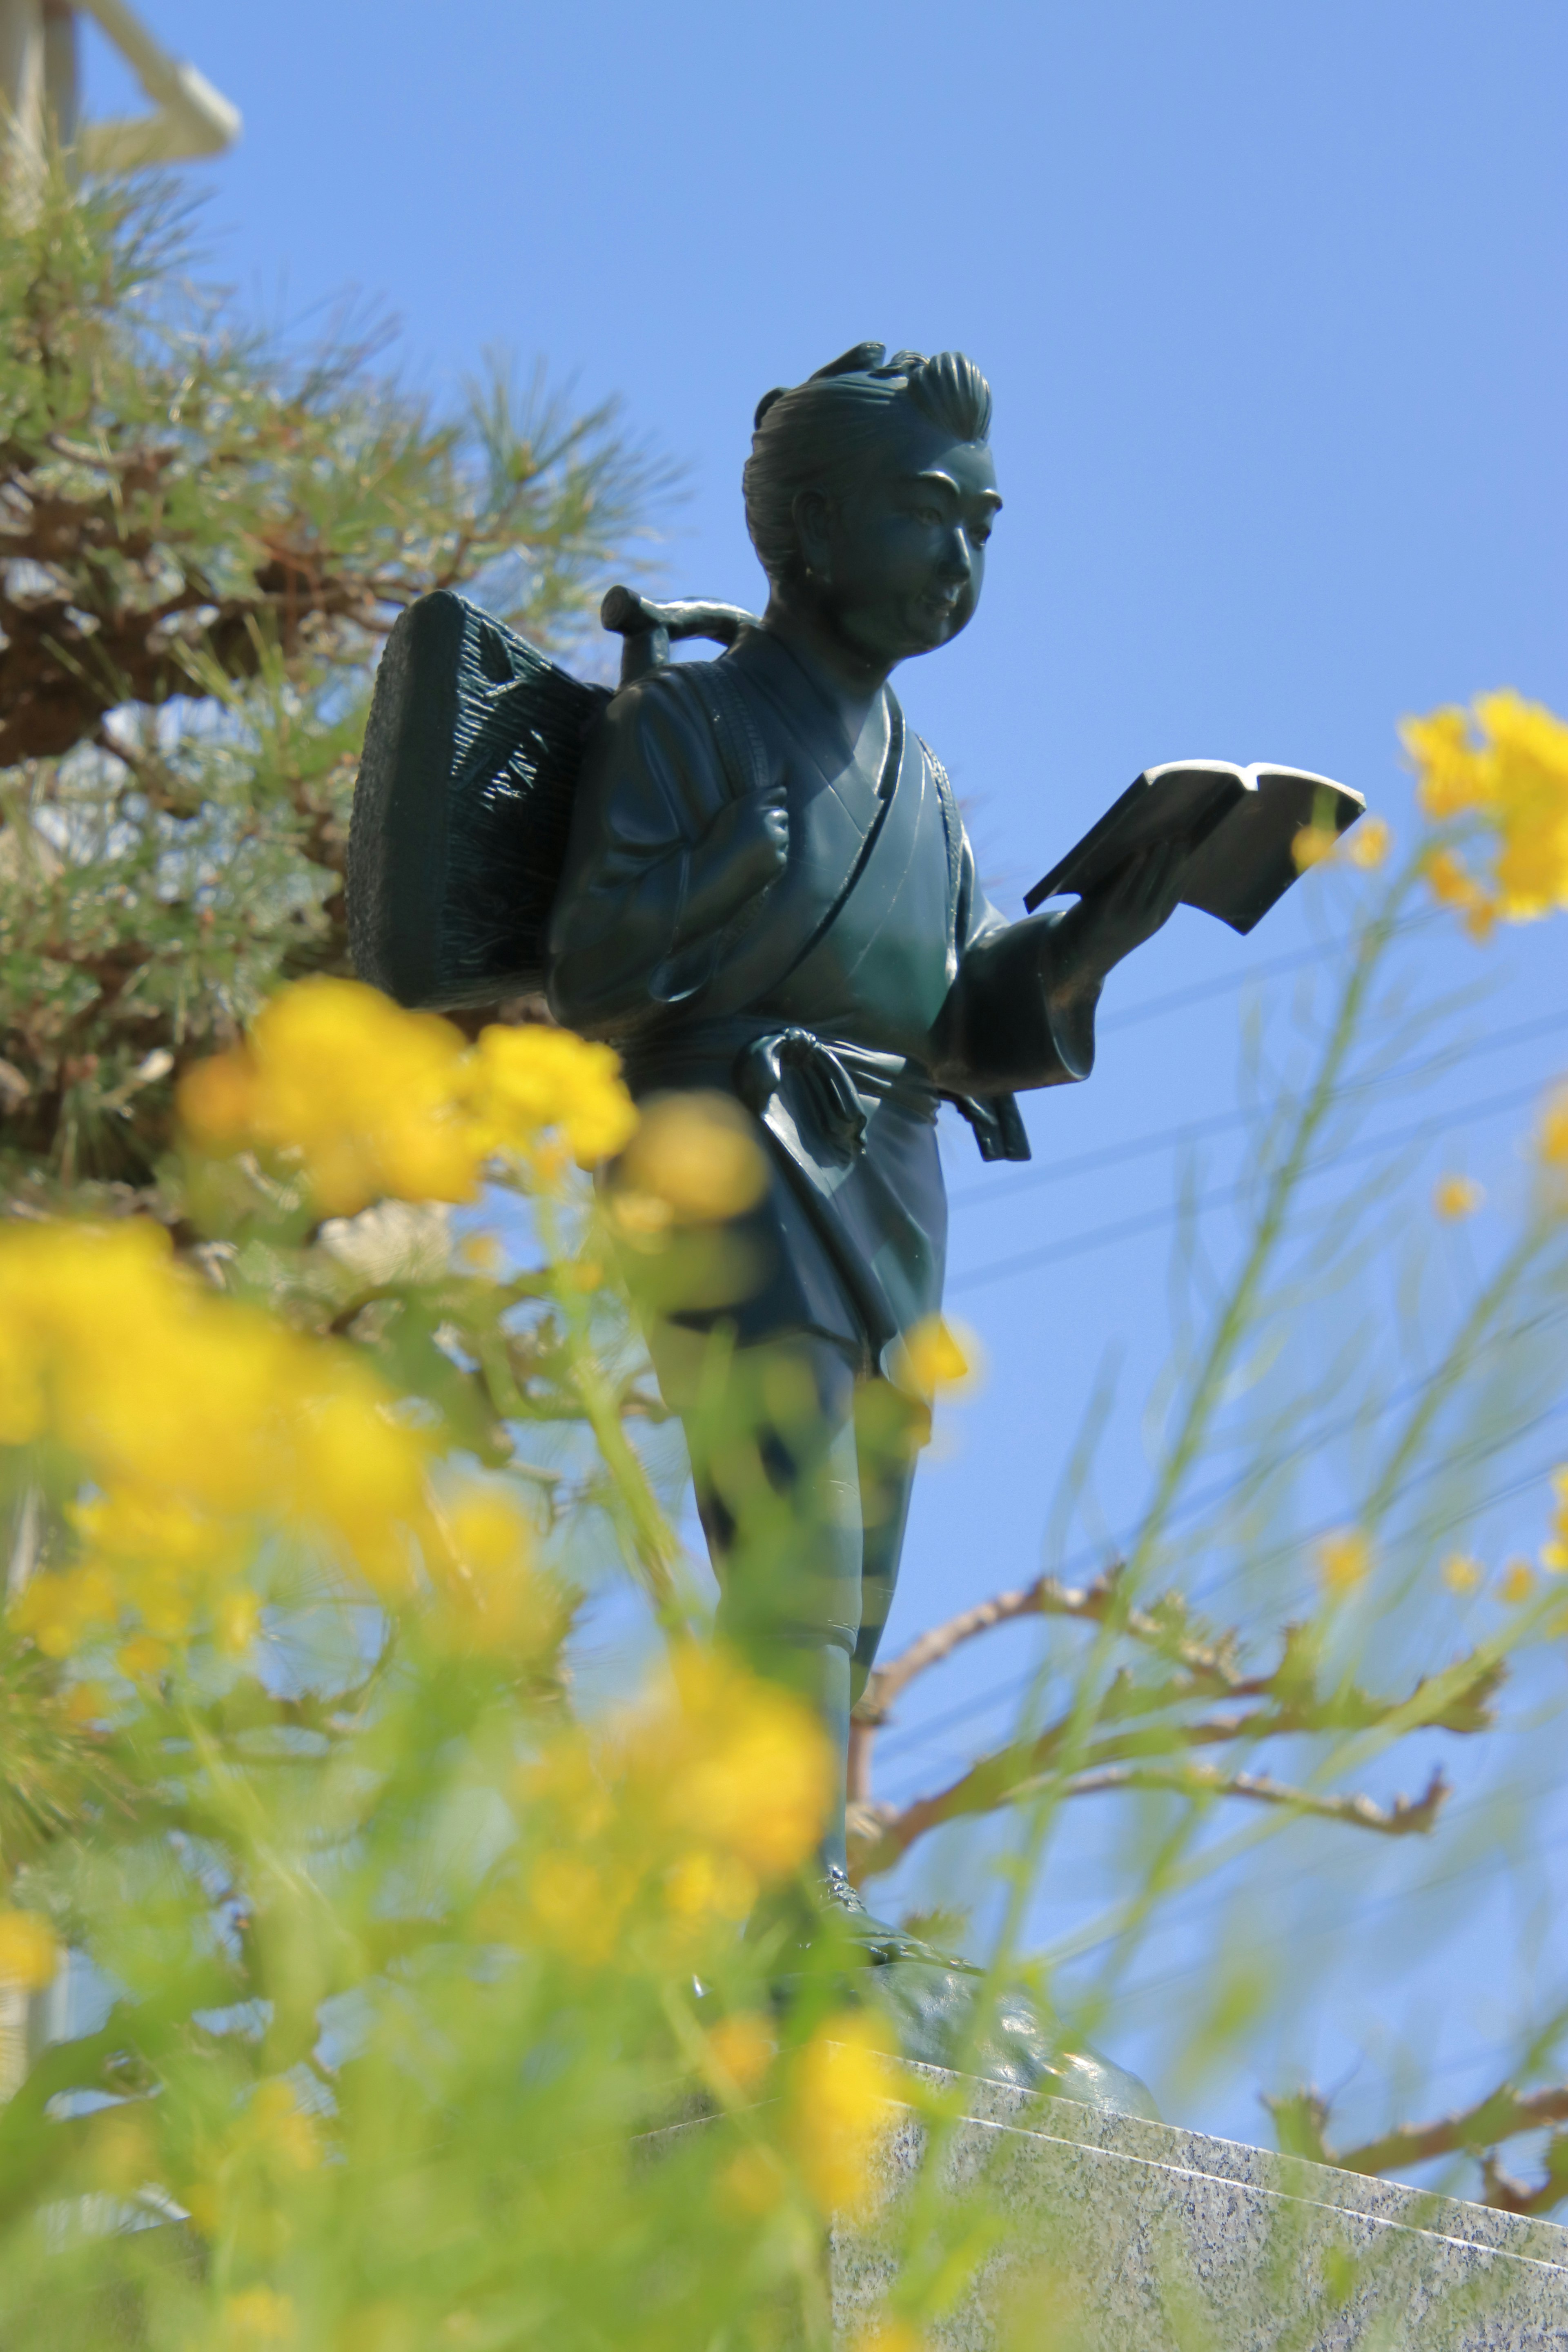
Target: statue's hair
{"x": 811, "y": 435}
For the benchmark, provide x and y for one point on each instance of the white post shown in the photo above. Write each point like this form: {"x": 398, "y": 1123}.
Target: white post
{"x": 38, "y": 93}
{"x": 22, "y": 87}
{"x": 189, "y": 117}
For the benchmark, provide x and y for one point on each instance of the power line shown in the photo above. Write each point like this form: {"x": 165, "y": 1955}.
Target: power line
{"x": 1116, "y": 1155}
{"x": 919, "y": 1734}
{"x": 1146, "y": 1221}
{"x": 1151, "y": 1007}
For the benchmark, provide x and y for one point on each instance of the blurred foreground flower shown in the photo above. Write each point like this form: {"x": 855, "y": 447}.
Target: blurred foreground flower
{"x": 695, "y": 1159}
{"x": 1554, "y": 1551}
{"x": 840, "y": 2110}
{"x": 373, "y": 1103}
{"x": 204, "y": 1427}
{"x": 1453, "y": 1197}
{"x": 934, "y": 1355}
{"x": 669, "y": 1821}
{"x": 1344, "y": 1560}
{"x": 29, "y": 1954}
{"x": 1501, "y": 769}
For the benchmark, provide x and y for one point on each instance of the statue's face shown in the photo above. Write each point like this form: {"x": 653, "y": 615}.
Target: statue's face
{"x": 899, "y": 557}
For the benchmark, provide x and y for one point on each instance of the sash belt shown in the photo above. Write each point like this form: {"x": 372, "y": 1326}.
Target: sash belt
{"x": 759, "y": 1074}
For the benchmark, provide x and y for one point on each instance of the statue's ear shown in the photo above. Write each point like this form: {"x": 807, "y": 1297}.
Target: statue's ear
{"x": 814, "y": 514}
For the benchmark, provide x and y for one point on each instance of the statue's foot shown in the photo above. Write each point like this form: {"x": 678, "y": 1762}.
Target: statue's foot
{"x": 929, "y": 1997}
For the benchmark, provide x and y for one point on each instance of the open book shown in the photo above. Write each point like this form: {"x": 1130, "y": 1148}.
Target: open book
{"x": 1238, "y": 826}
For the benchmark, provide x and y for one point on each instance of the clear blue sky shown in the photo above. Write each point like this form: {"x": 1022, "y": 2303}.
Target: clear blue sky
{"x": 1273, "y": 302}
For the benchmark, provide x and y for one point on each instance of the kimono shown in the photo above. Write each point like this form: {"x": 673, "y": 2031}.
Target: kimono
{"x": 870, "y": 980}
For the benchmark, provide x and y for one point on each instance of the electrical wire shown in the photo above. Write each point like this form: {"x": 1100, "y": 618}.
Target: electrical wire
{"x": 1150, "y": 1219}
{"x": 1150, "y": 1008}
{"x": 1117, "y": 1155}
{"x": 919, "y": 1734}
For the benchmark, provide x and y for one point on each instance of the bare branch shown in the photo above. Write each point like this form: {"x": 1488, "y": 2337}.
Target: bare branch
{"x": 1404, "y": 1818}
{"x": 880, "y": 1835}
{"x": 1212, "y": 1663}
{"x": 1502, "y": 2115}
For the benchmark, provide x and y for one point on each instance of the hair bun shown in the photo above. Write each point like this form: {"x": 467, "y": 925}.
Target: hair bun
{"x": 767, "y": 402}
{"x": 858, "y": 360}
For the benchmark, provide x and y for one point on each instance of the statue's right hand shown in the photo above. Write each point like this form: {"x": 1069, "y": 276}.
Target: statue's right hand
{"x": 748, "y": 841}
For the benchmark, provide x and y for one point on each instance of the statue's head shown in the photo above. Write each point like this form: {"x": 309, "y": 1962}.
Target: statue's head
{"x": 871, "y": 494}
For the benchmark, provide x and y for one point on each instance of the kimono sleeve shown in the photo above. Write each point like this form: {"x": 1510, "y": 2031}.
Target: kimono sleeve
{"x": 1010, "y": 1022}
{"x": 651, "y": 782}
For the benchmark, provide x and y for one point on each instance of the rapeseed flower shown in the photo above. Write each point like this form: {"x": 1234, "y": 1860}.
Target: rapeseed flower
{"x": 695, "y": 1159}
{"x": 200, "y": 1423}
{"x": 371, "y": 1103}
{"x": 838, "y": 2110}
{"x": 934, "y": 1355}
{"x": 1344, "y": 1560}
{"x": 29, "y": 1953}
{"x": 1503, "y": 765}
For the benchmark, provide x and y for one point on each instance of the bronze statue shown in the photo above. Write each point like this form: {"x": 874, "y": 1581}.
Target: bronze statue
{"x": 767, "y": 893}
{"x": 769, "y": 890}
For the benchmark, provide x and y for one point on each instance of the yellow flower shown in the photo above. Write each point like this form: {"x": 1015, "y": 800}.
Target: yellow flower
{"x": 577, "y": 1909}
{"x": 521, "y": 1082}
{"x": 141, "y": 1658}
{"x": 1370, "y": 843}
{"x": 237, "y": 1617}
{"x": 258, "y": 2315}
{"x": 1554, "y": 1552}
{"x": 890, "y": 2335}
{"x": 752, "y": 2183}
{"x": 1314, "y": 846}
{"x": 361, "y": 1093}
{"x": 101, "y": 1329}
{"x": 1504, "y": 763}
{"x": 1449, "y": 883}
{"x": 1461, "y": 1573}
{"x": 698, "y": 1155}
{"x": 741, "y": 2049}
{"x": 838, "y": 2109}
{"x": 1448, "y": 775}
{"x": 60, "y": 1609}
{"x": 29, "y": 1954}
{"x": 734, "y": 1762}
{"x": 933, "y": 1355}
{"x": 1456, "y": 1196}
{"x": 492, "y": 1598}
{"x": 1517, "y": 1581}
{"x": 1552, "y": 1145}
{"x": 1344, "y": 1560}
{"x": 703, "y": 1886}
{"x": 276, "y": 2124}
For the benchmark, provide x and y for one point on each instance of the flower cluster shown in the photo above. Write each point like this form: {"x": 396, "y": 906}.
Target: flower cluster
{"x": 373, "y": 1103}
{"x": 200, "y": 1427}
{"x": 1502, "y": 766}
{"x": 671, "y": 1820}
{"x": 1366, "y": 845}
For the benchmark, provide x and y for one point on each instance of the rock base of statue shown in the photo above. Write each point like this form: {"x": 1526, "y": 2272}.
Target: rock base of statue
{"x": 1120, "y": 2234}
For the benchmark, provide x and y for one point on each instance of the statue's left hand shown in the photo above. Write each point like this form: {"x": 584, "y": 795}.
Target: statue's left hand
{"x": 1108, "y": 923}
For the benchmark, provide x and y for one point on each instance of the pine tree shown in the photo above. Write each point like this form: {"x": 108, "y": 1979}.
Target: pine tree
{"x": 204, "y": 534}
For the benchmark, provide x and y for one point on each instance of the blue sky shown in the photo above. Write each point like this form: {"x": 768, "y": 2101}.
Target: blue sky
{"x": 1273, "y": 303}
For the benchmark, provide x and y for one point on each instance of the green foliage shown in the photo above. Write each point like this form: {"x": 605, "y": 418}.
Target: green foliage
{"x": 203, "y": 535}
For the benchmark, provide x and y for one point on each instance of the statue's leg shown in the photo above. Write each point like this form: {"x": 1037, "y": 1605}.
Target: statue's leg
{"x": 772, "y": 1433}
{"x": 890, "y": 1428}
